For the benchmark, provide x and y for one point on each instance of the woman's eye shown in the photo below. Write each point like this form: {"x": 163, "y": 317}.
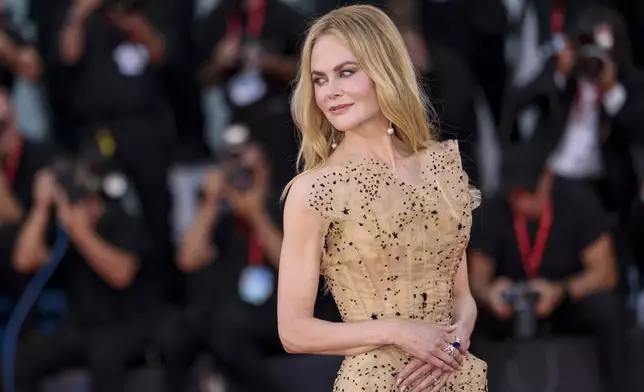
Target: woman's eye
{"x": 346, "y": 73}
{"x": 318, "y": 81}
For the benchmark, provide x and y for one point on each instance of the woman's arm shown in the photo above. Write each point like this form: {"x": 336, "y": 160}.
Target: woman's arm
{"x": 196, "y": 249}
{"x": 299, "y": 274}
{"x": 464, "y": 305}
{"x": 299, "y": 270}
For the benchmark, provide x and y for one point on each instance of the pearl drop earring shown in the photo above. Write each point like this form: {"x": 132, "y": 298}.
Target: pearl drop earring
{"x": 334, "y": 145}
{"x": 390, "y": 131}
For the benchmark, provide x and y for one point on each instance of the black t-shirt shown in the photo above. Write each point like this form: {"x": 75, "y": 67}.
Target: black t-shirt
{"x": 281, "y": 34}
{"x": 219, "y": 280}
{"x": 92, "y": 301}
{"x": 577, "y": 223}
{"x": 114, "y": 76}
{"x": 451, "y": 86}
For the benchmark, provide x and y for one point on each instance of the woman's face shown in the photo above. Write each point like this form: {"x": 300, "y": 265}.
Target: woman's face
{"x": 343, "y": 92}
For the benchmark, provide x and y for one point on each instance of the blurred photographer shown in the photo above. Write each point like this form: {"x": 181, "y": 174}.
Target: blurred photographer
{"x": 96, "y": 275}
{"x": 589, "y": 98}
{"x": 542, "y": 260}
{"x": 230, "y": 255}
{"x": 250, "y": 48}
{"x": 113, "y": 52}
{"x": 20, "y": 160}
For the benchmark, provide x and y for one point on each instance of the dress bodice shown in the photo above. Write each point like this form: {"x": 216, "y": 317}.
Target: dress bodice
{"x": 392, "y": 248}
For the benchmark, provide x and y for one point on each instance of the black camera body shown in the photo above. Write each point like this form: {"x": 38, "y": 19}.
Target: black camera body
{"x": 69, "y": 177}
{"x": 592, "y": 60}
{"x": 595, "y": 43}
{"x": 236, "y": 139}
{"x": 522, "y": 299}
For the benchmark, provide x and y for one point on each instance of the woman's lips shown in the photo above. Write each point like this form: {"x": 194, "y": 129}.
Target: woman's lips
{"x": 340, "y": 109}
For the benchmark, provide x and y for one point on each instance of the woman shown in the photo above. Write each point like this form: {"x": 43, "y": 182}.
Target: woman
{"x": 382, "y": 211}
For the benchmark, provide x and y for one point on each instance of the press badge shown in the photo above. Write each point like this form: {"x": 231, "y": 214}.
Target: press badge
{"x": 247, "y": 87}
{"x": 131, "y": 59}
{"x": 256, "y": 284}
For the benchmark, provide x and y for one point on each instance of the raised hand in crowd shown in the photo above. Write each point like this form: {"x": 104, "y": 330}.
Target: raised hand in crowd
{"x": 31, "y": 249}
{"x": 250, "y": 203}
{"x": 136, "y": 25}
{"x": 227, "y": 53}
{"x": 44, "y": 189}
{"x": 29, "y": 64}
{"x": 74, "y": 217}
{"x": 608, "y": 77}
{"x": 10, "y": 209}
{"x": 566, "y": 59}
{"x": 196, "y": 249}
{"x": 23, "y": 60}
{"x": 72, "y": 36}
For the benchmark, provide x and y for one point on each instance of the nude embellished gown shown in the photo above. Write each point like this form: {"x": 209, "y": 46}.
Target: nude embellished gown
{"x": 392, "y": 249}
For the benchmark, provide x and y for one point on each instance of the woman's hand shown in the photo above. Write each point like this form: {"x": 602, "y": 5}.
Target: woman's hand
{"x": 463, "y": 334}
{"x": 428, "y": 342}
{"x": 421, "y": 376}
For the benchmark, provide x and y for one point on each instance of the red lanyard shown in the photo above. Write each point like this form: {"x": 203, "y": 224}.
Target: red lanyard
{"x": 13, "y": 162}
{"x": 255, "y": 251}
{"x": 532, "y": 257}
{"x": 557, "y": 17}
{"x": 557, "y": 21}
{"x": 256, "y": 21}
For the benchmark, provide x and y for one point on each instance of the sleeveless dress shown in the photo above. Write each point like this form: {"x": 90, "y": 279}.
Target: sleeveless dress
{"x": 392, "y": 249}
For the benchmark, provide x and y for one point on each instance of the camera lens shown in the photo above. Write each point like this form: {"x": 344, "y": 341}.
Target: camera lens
{"x": 591, "y": 67}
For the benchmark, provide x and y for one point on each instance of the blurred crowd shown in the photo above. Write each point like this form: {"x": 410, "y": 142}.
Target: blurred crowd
{"x": 165, "y": 140}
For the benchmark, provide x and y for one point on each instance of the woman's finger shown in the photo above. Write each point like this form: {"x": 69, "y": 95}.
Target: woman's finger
{"x": 408, "y": 370}
{"x": 445, "y": 357}
{"x": 429, "y": 381}
{"x": 440, "y": 364}
{"x": 454, "y": 353}
{"x": 416, "y": 375}
{"x": 442, "y": 380}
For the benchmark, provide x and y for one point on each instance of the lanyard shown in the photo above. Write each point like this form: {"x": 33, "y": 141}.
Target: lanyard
{"x": 557, "y": 20}
{"x": 532, "y": 257}
{"x": 255, "y": 252}
{"x": 255, "y": 25}
{"x": 13, "y": 162}
{"x": 557, "y": 17}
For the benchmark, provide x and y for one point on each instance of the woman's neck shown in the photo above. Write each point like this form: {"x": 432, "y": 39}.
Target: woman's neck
{"x": 372, "y": 140}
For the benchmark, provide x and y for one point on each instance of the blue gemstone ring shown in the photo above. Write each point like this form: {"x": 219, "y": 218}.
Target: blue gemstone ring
{"x": 457, "y": 343}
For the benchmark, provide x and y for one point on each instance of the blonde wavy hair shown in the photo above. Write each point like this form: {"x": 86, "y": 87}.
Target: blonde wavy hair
{"x": 381, "y": 52}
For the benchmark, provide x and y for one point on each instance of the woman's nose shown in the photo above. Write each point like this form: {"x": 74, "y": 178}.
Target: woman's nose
{"x": 334, "y": 90}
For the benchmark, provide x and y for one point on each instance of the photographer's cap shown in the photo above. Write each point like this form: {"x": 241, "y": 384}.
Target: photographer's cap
{"x": 522, "y": 167}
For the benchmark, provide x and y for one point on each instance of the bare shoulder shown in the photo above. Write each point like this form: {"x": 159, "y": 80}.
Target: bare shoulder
{"x": 299, "y": 198}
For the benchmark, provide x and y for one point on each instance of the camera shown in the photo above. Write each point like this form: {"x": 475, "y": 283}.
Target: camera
{"x": 522, "y": 299}
{"x": 594, "y": 51}
{"x": 236, "y": 139}
{"x": 89, "y": 174}
{"x": 73, "y": 179}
